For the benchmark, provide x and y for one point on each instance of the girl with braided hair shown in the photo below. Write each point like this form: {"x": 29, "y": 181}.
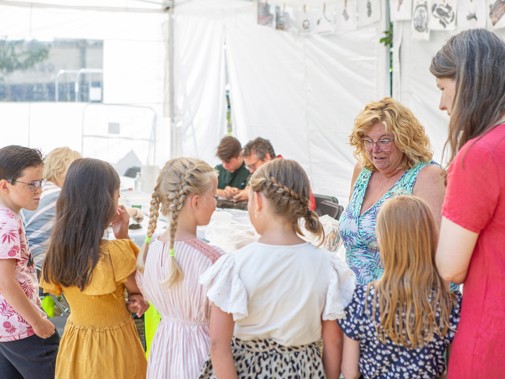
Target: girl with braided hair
{"x": 169, "y": 267}
{"x": 274, "y": 299}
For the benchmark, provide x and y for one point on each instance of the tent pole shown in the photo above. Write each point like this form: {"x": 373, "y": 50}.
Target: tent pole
{"x": 174, "y": 140}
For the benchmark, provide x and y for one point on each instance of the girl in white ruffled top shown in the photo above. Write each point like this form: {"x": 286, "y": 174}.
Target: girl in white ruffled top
{"x": 170, "y": 265}
{"x": 274, "y": 299}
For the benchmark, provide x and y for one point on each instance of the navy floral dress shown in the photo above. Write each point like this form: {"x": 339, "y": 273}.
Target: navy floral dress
{"x": 389, "y": 360}
{"x": 358, "y": 231}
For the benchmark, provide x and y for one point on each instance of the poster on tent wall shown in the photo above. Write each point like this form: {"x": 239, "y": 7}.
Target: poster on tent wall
{"x": 327, "y": 19}
{"x": 306, "y": 20}
{"x": 442, "y": 14}
{"x": 346, "y": 16}
{"x": 368, "y": 12}
{"x": 284, "y": 18}
{"x": 420, "y": 20}
{"x": 497, "y": 13}
{"x": 400, "y": 10}
{"x": 471, "y": 14}
{"x": 266, "y": 15}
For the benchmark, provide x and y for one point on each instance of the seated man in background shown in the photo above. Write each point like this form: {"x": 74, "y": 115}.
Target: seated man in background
{"x": 39, "y": 223}
{"x": 256, "y": 153}
{"x": 233, "y": 174}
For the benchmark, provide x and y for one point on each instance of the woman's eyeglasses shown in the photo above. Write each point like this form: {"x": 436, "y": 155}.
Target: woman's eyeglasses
{"x": 383, "y": 143}
{"x": 33, "y": 186}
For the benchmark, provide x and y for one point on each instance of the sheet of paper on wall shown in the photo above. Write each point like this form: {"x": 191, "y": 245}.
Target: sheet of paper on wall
{"x": 400, "y": 10}
{"x": 369, "y": 12}
{"x": 442, "y": 14}
{"x": 346, "y": 16}
{"x": 306, "y": 20}
{"x": 266, "y": 15}
{"x": 419, "y": 22}
{"x": 496, "y": 13}
{"x": 471, "y": 14}
{"x": 284, "y": 18}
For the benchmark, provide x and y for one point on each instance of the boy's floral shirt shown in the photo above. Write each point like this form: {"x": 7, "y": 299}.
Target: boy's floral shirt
{"x": 13, "y": 245}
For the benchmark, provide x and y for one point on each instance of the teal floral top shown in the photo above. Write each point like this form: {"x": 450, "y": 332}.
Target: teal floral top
{"x": 358, "y": 231}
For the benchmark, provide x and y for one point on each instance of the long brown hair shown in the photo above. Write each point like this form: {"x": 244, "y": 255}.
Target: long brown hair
{"x": 177, "y": 180}
{"x": 84, "y": 209}
{"x": 475, "y": 60}
{"x": 411, "y": 291}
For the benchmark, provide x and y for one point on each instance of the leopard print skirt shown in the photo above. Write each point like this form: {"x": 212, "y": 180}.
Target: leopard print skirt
{"x": 267, "y": 359}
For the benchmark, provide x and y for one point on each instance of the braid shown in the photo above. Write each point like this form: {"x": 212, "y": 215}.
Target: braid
{"x": 286, "y": 185}
{"x": 176, "y": 205}
{"x": 179, "y": 178}
{"x": 153, "y": 220}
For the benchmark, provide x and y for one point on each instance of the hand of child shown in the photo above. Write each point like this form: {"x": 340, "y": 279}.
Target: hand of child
{"x": 44, "y": 328}
{"x": 120, "y": 223}
{"x": 136, "y": 304}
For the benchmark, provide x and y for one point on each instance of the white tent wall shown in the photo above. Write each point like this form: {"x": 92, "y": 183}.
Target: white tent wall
{"x": 413, "y": 83}
{"x": 134, "y": 56}
{"x": 199, "y": 80}
{"x": 300, "y": 92}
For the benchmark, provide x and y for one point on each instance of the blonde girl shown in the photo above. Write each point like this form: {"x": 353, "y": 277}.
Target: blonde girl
{"x": 170, "y": 265}
{"x": 275, "y": 298}
{"x": 401, "y": 325}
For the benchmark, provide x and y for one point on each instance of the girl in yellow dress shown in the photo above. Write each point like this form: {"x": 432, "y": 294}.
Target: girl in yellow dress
{"x": 100, "y": 339}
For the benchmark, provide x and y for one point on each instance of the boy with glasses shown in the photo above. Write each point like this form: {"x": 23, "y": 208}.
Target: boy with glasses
{"x": 28, "y": 340}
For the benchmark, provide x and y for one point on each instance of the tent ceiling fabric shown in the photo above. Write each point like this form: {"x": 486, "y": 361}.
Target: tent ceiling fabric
{"x": 150, "y": 6}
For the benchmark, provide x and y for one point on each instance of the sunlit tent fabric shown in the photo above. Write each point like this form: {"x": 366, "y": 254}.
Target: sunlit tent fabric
{"x": 178, "y": 59}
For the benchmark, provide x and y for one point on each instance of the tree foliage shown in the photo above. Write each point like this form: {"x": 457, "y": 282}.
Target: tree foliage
{"x": 21, "y": 55}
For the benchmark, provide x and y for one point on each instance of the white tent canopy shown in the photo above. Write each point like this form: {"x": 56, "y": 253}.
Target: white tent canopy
{"x": 177, "y": 60}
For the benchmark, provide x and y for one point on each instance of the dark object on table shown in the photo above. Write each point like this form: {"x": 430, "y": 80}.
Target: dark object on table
{"x": 224, "y": 203}
{"x": 132, "y": 172}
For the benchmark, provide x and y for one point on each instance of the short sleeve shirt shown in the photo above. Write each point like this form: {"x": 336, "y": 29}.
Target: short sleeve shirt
{"x": 13, "y": 245}
{"x": 237, "y": 179}
{"x": 389, "y": 360}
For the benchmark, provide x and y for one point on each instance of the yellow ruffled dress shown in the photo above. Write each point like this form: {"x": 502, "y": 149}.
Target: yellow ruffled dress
{"x": 100, "y": 339}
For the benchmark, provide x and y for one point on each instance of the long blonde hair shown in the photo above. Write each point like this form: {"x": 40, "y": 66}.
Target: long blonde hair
{"x": 179, "y": 178}
{"x": 411, "y": 291}
{"x": 285, "y": 183}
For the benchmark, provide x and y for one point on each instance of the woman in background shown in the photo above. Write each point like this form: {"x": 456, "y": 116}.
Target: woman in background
{"x": 39, "y": 223}
{"x": 394, "y": 157}
{"x": 470, "y": 72}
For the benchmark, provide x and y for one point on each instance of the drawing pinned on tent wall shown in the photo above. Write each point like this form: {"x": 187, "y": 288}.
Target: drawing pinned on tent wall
{"x": 420, "y": 18}
{"x": 442, "y": 14}
{"x": 284, "y": 18}
{"x": 368, "y": 12}
{"x": 306, "y": 19}
{"x": 497, "y": 13}
{"x": 346, "y": 15}
{"x": 326, "y": 22}
{"x": 471, "y": 14}
{"x": 400, "y": 10}
{"x": 266, "y": 15}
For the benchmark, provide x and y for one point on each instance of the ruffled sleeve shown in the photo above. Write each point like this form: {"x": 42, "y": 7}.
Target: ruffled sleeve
{"x": 117, "y": 263}
{"x": 340, "y": 289}
{"x": 52, "y": 288}
{"x": 225, "y": 288}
